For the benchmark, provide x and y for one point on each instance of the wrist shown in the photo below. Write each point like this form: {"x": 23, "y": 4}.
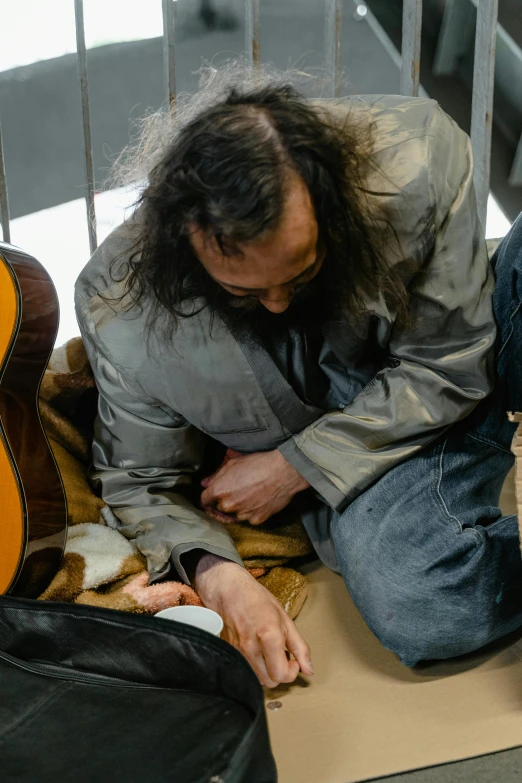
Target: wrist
{"x": 294, "y": 481}
{"x": 209, "y": 567}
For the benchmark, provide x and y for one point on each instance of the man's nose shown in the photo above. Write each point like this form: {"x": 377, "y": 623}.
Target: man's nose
{"x": 277, "y": 301}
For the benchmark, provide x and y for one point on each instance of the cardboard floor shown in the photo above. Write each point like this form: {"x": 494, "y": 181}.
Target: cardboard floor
{"x": 363, "y": 715}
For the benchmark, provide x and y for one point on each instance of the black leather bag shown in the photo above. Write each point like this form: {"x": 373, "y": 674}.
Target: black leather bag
{"x": 98, "y": 696}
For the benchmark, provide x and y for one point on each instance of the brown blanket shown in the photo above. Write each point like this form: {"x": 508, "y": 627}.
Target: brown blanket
{"x": 100, "y": 566}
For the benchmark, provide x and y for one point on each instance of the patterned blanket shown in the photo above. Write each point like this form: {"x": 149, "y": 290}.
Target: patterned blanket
{"x": 103, "y": 568}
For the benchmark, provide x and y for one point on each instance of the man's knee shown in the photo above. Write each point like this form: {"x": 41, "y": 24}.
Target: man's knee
{"x": 420, "y": 627}
{"x": 413, "y": 644}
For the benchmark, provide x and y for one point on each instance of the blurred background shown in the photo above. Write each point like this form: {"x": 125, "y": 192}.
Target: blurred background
{"x": 41, "y": 116}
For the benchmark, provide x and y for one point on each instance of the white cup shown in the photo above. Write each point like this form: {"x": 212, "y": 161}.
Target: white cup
{"x": 198, "y": 616}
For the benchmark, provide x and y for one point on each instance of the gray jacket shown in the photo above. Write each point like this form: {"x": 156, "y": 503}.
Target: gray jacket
{"x": 159, "y": 403}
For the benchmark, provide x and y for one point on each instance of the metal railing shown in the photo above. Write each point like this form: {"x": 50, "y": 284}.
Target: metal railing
{"x": 4, "y": 199}
{"x": 482, "y": 103}
{"x": 483, "y": 83}
{"x": 86, "y": 116}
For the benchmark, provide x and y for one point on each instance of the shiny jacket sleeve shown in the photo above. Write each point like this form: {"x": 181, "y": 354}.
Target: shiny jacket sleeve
{"x": 143, "y": 458}
{"x": 440, "y": 368}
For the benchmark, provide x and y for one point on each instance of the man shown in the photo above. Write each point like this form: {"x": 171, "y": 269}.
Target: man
{"x": 307, "y": 284}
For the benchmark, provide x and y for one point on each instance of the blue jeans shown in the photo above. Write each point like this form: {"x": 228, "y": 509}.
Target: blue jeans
{"x": 426, "y": 554}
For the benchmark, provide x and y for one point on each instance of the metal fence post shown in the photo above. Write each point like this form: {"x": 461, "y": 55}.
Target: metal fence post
{"x": 169, "y": 67}
{"x": 252, "y": 32}
{"x": 482, "y": 106}
{"x": 332, "y": 43}
{"x": 4, "y": 200}
{"x": 87, "y": 142}
{"x": 411, "y": 46}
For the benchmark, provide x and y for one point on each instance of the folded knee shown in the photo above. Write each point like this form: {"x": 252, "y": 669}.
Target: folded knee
{"x": 419, "y": 629}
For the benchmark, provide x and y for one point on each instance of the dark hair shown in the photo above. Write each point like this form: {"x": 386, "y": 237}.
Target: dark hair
{"x": 226, "y": 171}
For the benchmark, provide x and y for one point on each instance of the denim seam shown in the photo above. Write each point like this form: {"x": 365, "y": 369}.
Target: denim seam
{"x": 489, "y": 442}
{"x": 460, "y": 526}
{"x": 440, "y": 499}
{"x": 515, "y": 311}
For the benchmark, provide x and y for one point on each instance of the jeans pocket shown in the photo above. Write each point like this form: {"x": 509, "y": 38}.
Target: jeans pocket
{"x": 468, "y": 480}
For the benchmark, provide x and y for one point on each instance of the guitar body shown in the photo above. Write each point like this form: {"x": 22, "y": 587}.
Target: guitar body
{"x": 33, "y": 509}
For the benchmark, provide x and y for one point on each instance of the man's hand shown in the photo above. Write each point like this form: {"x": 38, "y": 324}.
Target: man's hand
{"x": 253, "y": 487}
{"x": 255, "y": 622}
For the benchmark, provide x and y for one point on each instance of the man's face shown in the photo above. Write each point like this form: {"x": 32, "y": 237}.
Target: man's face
{"x": 272, "y": 270}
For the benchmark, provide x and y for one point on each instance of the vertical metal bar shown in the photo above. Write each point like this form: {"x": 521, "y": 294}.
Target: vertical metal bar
{"x": 333, "y": 17}
{"x": 87, "y": 143}
{"x": 252, "y": 32}
{"x": 411, "y": 46}
{"x": 482, "y": 106}
{"x": 386, "y": 42}
{"x": 169, "y": 67}
{"x": 4, "y": 201}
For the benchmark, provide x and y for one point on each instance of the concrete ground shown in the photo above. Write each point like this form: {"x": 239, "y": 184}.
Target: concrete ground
{"x": 504, "y": 767}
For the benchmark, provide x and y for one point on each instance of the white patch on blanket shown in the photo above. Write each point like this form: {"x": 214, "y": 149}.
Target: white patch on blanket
{"x": 102, "y": 549}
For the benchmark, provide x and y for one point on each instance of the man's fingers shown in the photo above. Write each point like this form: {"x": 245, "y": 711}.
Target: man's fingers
{"x": 227, "y": 505}
{"x": 280, "y": 669}
{"x": 212, "y": 495}
{"x": 209, "y": 496}
{"x": 206, "y": 498}
{"x": 256, "y": 520}
{"x": 299, "y": 648}
{"x": 219, "y": 515}
{"x": 206, "y": 482}
{"x": 265, "y": 675}
{"x": 253, "y": 656}
{"x": 257, "y": 662}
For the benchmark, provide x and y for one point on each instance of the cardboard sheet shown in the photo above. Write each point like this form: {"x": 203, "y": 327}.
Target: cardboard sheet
{"x": 363, "y": 715}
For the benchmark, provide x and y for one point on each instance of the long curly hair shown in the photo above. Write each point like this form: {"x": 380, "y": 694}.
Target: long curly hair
{"x": 222, "y": 161}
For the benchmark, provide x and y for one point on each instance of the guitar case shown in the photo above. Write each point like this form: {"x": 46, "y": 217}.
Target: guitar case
{"x": 95, "y": 695}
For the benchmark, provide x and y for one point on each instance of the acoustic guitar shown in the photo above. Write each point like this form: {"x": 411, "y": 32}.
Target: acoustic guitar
{"x": 33, "y": 509}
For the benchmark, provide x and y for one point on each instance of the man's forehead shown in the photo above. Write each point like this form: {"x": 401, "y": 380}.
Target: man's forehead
{"x": 295, "y": 280}
{"x": 259, "y": 268}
